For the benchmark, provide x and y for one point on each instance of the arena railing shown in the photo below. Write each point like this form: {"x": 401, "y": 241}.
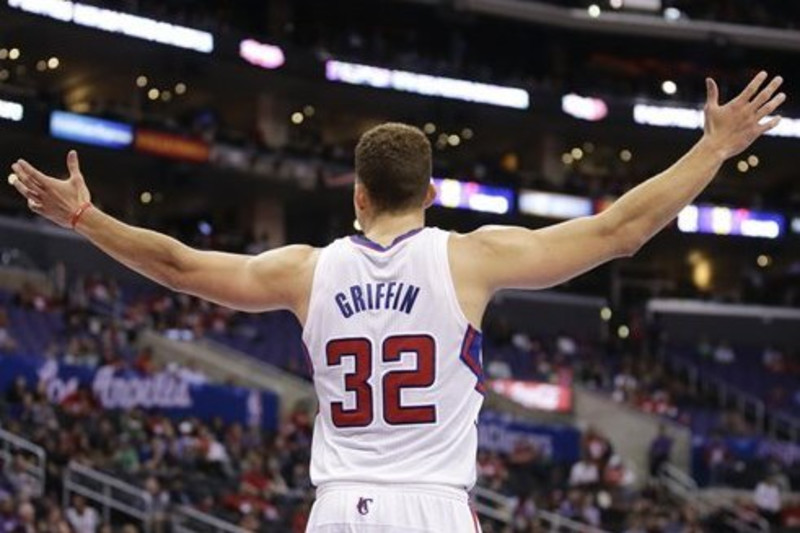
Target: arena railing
{"x": 684, "y": 489}
{"x": 775, "y": 425}
{"x": 110, "y": 493}
{"x": 10, "y": 444}
{"x": 495, "y": 506}
{"x": 738, "y": 324}
{"x": 187, "y": 520}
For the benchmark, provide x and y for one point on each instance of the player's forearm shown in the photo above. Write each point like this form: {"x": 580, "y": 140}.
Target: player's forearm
{"x": 646, "y": 209}
{"x": 151, "y": 254}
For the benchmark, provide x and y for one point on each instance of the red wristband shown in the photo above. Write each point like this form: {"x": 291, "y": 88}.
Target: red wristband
{"x": 79, "y": 213}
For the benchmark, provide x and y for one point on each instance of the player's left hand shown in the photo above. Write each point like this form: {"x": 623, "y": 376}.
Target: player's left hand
{"x": 733, "y": 127}
{"x": 55, "y": 199}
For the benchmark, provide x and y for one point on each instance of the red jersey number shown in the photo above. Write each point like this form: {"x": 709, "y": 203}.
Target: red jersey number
{"x": 423, "y": 348}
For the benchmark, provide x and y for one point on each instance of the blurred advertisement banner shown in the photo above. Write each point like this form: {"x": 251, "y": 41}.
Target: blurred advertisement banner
{"x": 172, "y": 146}
{"x": 533, "y": 395}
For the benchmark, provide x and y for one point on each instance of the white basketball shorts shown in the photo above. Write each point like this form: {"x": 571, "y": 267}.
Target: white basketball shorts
{"x": 366, "y": 508}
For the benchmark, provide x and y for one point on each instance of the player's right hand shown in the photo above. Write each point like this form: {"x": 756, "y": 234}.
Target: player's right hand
{"x": 733, "y": 127}
{"x": 55, "y": 199}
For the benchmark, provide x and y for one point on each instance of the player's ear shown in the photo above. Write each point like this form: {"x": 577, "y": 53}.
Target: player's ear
{"x": 360, "y": 197}
{"x": 430, "y": 196}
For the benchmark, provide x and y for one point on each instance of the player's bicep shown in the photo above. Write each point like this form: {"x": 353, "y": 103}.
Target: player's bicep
{"x": 275, "y": 279}
{"x": 514, "y": 257}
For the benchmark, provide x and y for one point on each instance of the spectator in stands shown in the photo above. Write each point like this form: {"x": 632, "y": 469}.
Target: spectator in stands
{"x": 15, "y": 396}
{"x": 492, "y": 470}
{"x": 773, "y": 359}
{"x": 256, "y": 476}
{"x": 54, "y": 519}
{"x": 144, "y": 363}
{"x": 126, "y": 456}
{"x": 525, "y": 514}
{"x": 8, "y": 516}
{"x": 527, "y": 466}
{"x": 214, "y": 457}
{"x": 590, "y": 513}
{"x": 22, "y": 483}
{"x": 660, "y": 450}
{"x": 6, "y": 490}
{"x": 571, "y": 506}
{"x": 597, "y": 447}
{"x": 26, "y": 514}
{"x": 616, "y": 475}
{"x": 160, "y": 501}
{"x": 584, "y": 474}
{"x": 625, "y": 384}
{"x": 767, "y": 498}
{"x": 716, "y": 456}
{"x": 498, "y": 369}
{"x": 724, "y": 354}
{"x": 31, "y": 297}
{"x": 566, "y": 345}
{"x": 7, "y": 342}
{"x": 83, "y": 518}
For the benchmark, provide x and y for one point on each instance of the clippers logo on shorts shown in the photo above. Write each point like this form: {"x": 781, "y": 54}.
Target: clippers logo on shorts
{"x": 363, "y": 505}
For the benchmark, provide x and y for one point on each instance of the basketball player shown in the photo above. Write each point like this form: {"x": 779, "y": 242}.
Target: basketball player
{"x": 392, "y": 318}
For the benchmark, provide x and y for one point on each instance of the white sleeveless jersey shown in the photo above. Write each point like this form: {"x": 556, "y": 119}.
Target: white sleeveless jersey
{"x": 397, "y": 366}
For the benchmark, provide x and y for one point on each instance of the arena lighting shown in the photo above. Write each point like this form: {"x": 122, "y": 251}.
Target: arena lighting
{"x": 691, "y": 118}
{"x": 398, "y": 80}
{"x": 90, "y": 130}
{"x": 669, "y": 87}
{"x": 473, "y": 196}
{"x": 584, "y": 108}
{"x": 262, "y": 55}
{"x": 121, "y": 23}
{"x": 796, "y": 225}
{"x": 716, "y": 220}
{"x": 643, "y": 5}
{"x": 550, "y": 205}
{"x": 11, "y": 111}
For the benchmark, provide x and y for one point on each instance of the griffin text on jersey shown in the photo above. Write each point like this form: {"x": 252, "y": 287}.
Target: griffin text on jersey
{"x": 392, "y": 295}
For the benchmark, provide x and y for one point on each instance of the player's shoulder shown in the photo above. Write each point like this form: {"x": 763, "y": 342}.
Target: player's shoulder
{"x": 290, "y": 258}
{"x": 474, "y": 241}
{"x": 299, "y": 252}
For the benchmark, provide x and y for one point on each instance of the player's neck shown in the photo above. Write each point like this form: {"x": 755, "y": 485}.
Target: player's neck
{"x": 384, "y": 229}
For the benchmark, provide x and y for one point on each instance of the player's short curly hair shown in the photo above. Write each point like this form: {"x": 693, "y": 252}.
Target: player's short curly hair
{"x": 394, "y": 162}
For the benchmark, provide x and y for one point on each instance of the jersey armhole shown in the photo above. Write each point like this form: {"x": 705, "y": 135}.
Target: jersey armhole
{"x": 313, "y": 295}
{"x": 449, "y": 284}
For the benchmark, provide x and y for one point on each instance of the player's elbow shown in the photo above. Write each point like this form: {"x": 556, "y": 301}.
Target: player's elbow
{"x": 174, "y": 271}
{"x": 629, "y": 240}
{"x": 172, "y": 280}
{"x": 625, "y": 237}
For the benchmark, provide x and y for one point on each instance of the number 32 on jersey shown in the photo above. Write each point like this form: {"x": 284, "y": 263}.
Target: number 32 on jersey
{"x": 422, "y": 347}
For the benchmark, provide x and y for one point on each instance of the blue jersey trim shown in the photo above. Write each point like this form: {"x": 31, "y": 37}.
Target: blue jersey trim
{"x": 372, "y": 245}
{"x": 471, "y": 356}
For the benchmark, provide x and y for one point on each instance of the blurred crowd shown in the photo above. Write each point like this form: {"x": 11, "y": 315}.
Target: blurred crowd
{"x": 261, "y": 480}
{"x": 241, "y": 474}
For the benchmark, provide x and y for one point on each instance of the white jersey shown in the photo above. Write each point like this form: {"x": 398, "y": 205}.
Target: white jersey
{"x": 397, "y": 366}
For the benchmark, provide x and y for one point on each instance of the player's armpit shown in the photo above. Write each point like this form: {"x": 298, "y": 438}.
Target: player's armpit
{"x": 499, "y": 257}
{"x": 277, "y": 279}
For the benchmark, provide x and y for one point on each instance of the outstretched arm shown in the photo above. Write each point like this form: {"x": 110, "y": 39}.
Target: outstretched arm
{"x": 278, "y": 279}
{"x": 511, "y": 257}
